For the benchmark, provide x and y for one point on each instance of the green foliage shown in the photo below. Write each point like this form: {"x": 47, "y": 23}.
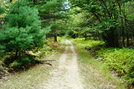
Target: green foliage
{"x": 23, "y": 16}
{"x": 51, "y": 5}
{"x": 52, "y": 10}
{"x": 88, "y": 43}
{"x": 13, "y": 39}
{"x": 1, "y": 2}
{"x": 22, "y": 31}
{"x": 109, "y": 18}
{"x": 99, "y": 71}
{"x": 22, "y": 63}
{"x": 2, "y": 10}
{"x": 51, "y": 13}
{"x": 120, "y": 60}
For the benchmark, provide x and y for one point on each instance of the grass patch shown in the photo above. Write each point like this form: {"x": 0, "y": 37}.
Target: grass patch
{"x": 97, "y": 74}
{"x": 34, "y": 78}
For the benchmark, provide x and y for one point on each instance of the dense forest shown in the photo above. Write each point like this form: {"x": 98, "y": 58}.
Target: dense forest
{"x": 26, "y": 26}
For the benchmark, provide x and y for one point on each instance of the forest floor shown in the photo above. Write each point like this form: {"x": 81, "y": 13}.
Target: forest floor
{"x": 67, "y": 72}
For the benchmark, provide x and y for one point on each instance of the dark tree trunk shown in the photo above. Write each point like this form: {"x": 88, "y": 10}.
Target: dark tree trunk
{"x": 16, "y": 54}
{"x": 34, "y": 1}
{"x": 127, "y": 39}
{"x": 55, "y": 36}
{"x": 11, "y": 0}
{"x": 123, "y": 38}
{"x": 111, "y": 37}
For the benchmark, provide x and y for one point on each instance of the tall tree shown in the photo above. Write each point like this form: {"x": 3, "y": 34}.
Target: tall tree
{"x": 51, "y": 12}
{"x": 22, "y": 31}
{"x": 110, "y": 16}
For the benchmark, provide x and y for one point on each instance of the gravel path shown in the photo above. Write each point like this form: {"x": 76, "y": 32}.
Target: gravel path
{"x": 66, "y": 76}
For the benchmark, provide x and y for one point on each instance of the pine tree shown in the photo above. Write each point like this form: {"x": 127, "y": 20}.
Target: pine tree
{"x": 51, "y": 12}
{"x": 22, "y": 31}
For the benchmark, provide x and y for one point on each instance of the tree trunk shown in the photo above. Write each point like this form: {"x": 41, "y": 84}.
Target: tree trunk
{"x": 123, "y": 37}
{"x": 55, "y": 36}
{"x": 34, "y": 1}
{"x": 16, "y": 54}
{"x": 127, "y": 39}
{"x": 111, "y": 37}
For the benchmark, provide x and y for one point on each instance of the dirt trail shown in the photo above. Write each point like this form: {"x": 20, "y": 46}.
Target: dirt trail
{"x": 66, "y": 76}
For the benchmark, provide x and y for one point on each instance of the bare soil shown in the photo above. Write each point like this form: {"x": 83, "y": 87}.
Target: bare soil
{"x": 66, "y": 75}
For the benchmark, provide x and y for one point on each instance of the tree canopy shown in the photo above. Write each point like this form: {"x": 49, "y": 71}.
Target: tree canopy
{"x": 109, "y": 18}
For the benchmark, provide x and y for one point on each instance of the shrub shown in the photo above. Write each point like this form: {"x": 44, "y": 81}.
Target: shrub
{"x": 120, "y": 60}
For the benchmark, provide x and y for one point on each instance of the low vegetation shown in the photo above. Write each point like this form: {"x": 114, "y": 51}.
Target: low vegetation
{"x": 30, "y": 79}
{"x": 107, "y": 64}
{"x": 28, "y": 60}
{"x": 119, "y": 60}
{"x": 31, "y": 76}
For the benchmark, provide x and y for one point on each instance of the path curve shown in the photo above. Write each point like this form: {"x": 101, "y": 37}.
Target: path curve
{"x": 66, "y": 76}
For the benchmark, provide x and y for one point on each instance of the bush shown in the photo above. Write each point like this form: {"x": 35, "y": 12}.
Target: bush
{"x": 120, "y": 60}
{"x": 22, "y": 63}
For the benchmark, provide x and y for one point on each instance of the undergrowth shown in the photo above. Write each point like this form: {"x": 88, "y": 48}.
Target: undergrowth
{"x": 88, "y": 44}
{"x": 117, "y": 62}
{"x": 8, "y": 62}
{"x": 37, "y": 76}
